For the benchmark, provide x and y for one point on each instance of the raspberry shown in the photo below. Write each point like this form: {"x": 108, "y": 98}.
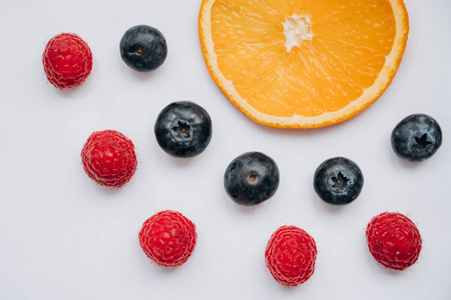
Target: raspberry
{"x": 393, "y": 240}
{"x": 109, "y": 158}
{"x": 290, "y": 255}
{"x": 168, "y": 238}
{"x": 67, "y": 60}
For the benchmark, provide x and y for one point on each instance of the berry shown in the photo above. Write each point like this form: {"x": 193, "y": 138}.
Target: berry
{"x": 291, "y": 255}
{"x": 143, "y": 48}
{"x": 251, "y": 178}
{"x": 338, "y": 181}
{"x": 168, "y": 238}
{"x": 393, "y": 240}
{"x": 183, "y": 129}
{"x": 417, "y": 137}
{"x": 67, "y": 60}
{"x": 109, "y": 158}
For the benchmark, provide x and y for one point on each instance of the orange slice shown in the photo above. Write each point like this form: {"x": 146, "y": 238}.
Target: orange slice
{"x": 303, "y": 63}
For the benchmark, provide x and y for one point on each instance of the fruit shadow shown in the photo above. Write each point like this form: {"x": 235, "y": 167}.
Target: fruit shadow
{"x": 112, "y": 191}
{"x": 179, "y": 162}
{"x": 330, "y": 208}
{"x": 166, "y": 270}
{"x": 290, "y": 289}
{"x": 395, "y": 160}
{"x": 244, "y": 210}
{"x": 140, "y": 75}
{"x": 77, "y": 92}
{"x": 390, "y": 272}
{"x": 324, "y": 206}
{"x": 109, "y": 190}
{"x": 237, "y": 209}
{"x": 69, "y": 93}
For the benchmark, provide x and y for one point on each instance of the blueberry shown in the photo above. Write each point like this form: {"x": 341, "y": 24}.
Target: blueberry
{"x": 338, "y": 181}
{"x": 251, "y": 178}
{"x": 417, "y": 137}
{"x": 183, "y": 129}
{"x": 143, "y": 48}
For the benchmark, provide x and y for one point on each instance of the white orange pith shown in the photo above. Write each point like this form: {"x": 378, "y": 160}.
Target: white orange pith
{"x": 303, "y": 63}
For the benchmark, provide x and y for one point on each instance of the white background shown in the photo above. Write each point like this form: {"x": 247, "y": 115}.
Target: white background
{"x": 64, "y": 237}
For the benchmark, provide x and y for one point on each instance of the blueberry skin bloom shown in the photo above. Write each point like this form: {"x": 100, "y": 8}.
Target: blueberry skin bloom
{"x": 338, "y": 181}
{"x": 416, "y": 138}
{"x": 143, "y": 48}
{"x": 251, "y": 178}
{"x": 183, "y": 129}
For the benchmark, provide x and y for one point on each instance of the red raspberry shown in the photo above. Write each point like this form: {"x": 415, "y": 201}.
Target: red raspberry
{"x": 290, "y": 255}
{"x": 168, "y": 238}
{"x": 393, "y": 240}
{"x": 67, "y": 60}
{"x": 109, "y": 158}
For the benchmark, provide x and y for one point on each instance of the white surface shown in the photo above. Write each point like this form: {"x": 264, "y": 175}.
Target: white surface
{"x": 64, "y": 237}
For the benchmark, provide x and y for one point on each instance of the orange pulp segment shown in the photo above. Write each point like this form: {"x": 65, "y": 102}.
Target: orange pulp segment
{"x": 303, "y": 63}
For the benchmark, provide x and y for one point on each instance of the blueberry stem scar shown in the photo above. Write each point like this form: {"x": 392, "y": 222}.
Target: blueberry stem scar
{"x": 421, "y": 143}
{"x": 340, "y": 181}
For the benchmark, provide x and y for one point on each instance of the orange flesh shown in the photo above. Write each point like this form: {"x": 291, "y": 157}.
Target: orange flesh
{"x": 323, "y": 74}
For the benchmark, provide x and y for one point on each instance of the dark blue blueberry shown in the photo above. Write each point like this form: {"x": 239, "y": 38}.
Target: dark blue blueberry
{"x": 183, "y": 129}
{"x": 417, "y": 137}
{"x": 143, "y": 48}
{"x": 338, "y": 181}
{"x": 251, "y": 178}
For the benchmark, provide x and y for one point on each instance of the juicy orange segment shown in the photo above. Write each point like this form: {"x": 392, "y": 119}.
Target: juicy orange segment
{"x": 303, "y": 63}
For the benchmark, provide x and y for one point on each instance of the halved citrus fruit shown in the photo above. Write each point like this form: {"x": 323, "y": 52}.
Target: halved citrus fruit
{"x": 303, "y": 63}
